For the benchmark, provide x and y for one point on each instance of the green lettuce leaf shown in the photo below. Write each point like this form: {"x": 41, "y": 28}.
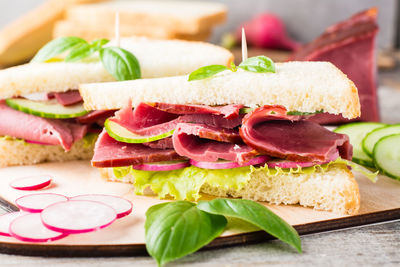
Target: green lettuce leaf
{"x": 89, "y": 139}
{"x": 10, "y": 138}
{"x": 186, "y": 183}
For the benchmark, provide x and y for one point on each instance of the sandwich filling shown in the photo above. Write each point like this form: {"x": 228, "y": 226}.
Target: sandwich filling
{"x": 18, "y": 122}
{"x": 221, "y": 140}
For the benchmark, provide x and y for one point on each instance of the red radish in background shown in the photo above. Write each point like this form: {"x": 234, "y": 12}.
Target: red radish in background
{"x": 267, "y": 31}
{"x": 31, "y": 182}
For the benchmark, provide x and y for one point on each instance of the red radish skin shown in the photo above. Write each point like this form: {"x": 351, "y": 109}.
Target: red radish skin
{"x": 31, "y": 183}
{"x": 29, "y": 228}
{"x": 78, "y": 216}
{"x": 5, "y": 221}
{"x": 37, "y": 202}
{"x": 267, "y": 31}
{"x": 122, "y": 206}
{"x": 228, "y": 164}
{"x": 162, "y": 166}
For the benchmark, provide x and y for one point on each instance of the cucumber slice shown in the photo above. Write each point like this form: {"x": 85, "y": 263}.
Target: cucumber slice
{"x": 122, "y": 134}
{"x": 356, "y": 132}
{"x": 386, "y": 155}
{"x": 47, "y": 109}
{"x": 373, "y": 137}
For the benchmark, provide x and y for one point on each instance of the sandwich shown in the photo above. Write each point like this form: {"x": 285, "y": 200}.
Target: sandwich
{"x": 42, "y": 117}
{"x": 240, "y": 132}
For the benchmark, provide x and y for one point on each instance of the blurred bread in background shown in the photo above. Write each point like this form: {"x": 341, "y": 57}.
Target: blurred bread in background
{"x": 192, "y": 20}
{"x": 22, "y": 38}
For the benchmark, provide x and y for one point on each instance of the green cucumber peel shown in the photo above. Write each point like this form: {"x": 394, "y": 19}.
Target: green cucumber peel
{"x": 374, "y": 136}
{"x": 120, "y": 63}
{"x": 47, "y": 109}
{"x": 258, "y": 64}
{"x": 122, "y": 134}
{"x": 386, "y": 155}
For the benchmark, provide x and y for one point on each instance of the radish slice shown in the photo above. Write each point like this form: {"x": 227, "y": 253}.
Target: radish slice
{"x": 122, "y": 206}
{"x": 78, "y": 216}
{"x": 162, "y": 166}
{"x": 5, "y": 221}
{"x": 31, "y": 182}
{"x": 37, "y": 96}
{"x": 228, "y": 164}
{"x": 29, "y": 228}
{"x": 285, "y": 164}
{"x": 37, "y": 202}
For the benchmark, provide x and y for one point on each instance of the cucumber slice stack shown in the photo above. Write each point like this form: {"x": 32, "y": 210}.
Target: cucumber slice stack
{"x": 356, "y": 132}
{"x": 47, "y": 109}
{"x": 375, "y": 145}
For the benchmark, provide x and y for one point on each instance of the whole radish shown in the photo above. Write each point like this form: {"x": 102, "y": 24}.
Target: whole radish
{"x": 267, "y": 31}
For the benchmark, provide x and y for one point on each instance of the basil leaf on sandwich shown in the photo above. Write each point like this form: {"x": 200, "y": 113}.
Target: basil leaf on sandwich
{"x": 120, "y": 63}
{"x": 255, "y": 214}
{"x": 259, "y": 64}
{"x": 176, "y": 229}
{"x": 57, "y": 47}
{"x": 207, "y": 71}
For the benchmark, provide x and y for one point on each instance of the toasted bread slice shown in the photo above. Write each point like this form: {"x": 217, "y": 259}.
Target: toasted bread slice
{"x": 332, "y": 190}
{"x": 188, "y": 17}
{"x": 157, "y": 58}
{"x": 91, "y": 32}
{"x": 22, "y": 38}
{"x": 298, "y": 86}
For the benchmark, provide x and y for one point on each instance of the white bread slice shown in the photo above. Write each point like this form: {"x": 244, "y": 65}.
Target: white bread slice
{"x": 188, "y": 17}
{"x": 157, "y": 58}
{"x": 300, "y": 86}
{"x": 17, "y": 152}
{"x": 22, "y": 38}
{"x": 91, "y": 32}
{"x": 333, "y": 190}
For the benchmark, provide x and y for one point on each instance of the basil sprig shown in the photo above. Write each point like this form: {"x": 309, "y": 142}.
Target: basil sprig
{"x": 120, "y": 63}
{"x": 176, "y": 229}
{"x": 259, "y": 64}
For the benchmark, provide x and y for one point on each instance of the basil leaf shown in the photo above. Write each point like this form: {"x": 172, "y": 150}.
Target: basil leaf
{"x": 299, "y": 113}
{"x": 176, "y": 229}
{"x": 256, "y": 214}
{"x": 56, "y": 47}
{"x": 97, "y": 44}
{"x": 258, "y": 64}
{"x": 206, "y": 72}
{"x": 79, "y": 52}
{"x": 120, "y": 63}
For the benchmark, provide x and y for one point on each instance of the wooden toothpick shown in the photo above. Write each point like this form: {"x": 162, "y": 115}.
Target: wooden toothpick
{"x": 244, "y": 46}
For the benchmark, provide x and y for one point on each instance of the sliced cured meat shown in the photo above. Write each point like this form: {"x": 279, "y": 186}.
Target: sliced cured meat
{"x": 145, "y": 120}
{"x": 228, "y": 111}
{"x": 212, "y": 120}
{"x": 96, "y": 116}
{"x": 292, "y": 140}
{"x": 350, "y": 46}
{"x": 200, "y": 149}
{"x": 162, "y": 143}
{"x": 111, "y": 153}
{"x": 213, "y": 133}
{"x": 68, "y": 98}
{"x": 48, "y": 131}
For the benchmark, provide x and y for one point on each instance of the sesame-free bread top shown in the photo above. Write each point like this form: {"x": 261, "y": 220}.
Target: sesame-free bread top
{"x": 298, "y": 86}
{"x": 157, "y": 58}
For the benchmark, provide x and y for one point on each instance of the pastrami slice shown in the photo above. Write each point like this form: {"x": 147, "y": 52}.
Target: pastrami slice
{"x": 292, "y": 140}
{"x": 187, "y": 144}
{"x": 110, "y": 153}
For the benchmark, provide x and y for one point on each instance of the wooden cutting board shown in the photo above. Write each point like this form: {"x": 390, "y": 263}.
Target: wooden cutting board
{"x": 379, "y": 202}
